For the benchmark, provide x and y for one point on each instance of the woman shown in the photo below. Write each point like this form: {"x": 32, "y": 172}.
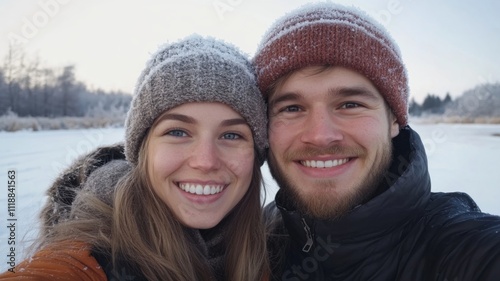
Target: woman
{"x": 187, "y": 202}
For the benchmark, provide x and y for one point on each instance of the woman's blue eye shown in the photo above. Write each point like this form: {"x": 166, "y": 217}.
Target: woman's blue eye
{"x": 291, "y": 108}
{"x": 177, "y": 133}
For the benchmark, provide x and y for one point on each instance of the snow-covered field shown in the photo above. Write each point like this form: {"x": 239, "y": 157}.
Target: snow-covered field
{"x": 461, "y": 158}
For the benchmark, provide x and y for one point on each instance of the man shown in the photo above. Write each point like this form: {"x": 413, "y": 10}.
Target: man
{"x": 354, "y": 200}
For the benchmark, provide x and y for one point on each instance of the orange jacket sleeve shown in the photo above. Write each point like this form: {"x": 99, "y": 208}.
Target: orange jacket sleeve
{"x": 66, "y": 262}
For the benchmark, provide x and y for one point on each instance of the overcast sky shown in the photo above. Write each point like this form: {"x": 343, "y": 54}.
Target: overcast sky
{"x": 448, "y": 46}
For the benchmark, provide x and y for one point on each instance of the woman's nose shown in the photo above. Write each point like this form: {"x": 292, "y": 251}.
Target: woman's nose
{"x": 205, "y": 156}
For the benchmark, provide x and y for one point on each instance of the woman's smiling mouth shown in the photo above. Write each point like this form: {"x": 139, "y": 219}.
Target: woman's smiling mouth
{"x": 201, "y": 189}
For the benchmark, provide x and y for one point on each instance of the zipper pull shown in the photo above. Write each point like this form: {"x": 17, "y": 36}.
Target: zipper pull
{"x": 307, "y": 247}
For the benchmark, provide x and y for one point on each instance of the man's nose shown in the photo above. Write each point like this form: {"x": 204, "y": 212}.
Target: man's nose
{"x": 320, "y": 128}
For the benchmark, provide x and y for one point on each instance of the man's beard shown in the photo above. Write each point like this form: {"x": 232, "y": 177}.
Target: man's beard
{"x": 329, "y": 206}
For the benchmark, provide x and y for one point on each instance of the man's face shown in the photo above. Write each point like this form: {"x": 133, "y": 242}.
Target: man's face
{"x": 330, "y": 139}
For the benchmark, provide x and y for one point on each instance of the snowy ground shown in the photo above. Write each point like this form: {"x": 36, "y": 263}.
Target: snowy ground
{"x": 461, "y": 158}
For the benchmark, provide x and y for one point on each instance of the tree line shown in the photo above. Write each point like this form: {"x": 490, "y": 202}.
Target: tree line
{"x": 432, "y": 104}
{"x": 480, "y": 101}
{"x": 29, "y": 89}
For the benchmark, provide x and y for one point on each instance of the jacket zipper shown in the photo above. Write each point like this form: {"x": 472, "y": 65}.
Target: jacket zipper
{"x": 309, "y": 243}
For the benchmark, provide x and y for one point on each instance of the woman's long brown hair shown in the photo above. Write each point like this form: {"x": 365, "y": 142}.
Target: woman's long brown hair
{"x": 143, "y": 231}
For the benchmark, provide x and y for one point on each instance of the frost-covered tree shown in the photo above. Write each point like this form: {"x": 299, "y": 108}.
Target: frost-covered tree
{"x": 447, "y": 99}
{"x": 47, "y": 85}
{"x": 12, "y": 68}
{"x": 432, "y": 104}
{"x": 3, "y": 93}
{"x": 29, "y": 89}
{"x": 414, "y": 108}
{"x": 481, "y": 101}
{"x": 67, "y": 90}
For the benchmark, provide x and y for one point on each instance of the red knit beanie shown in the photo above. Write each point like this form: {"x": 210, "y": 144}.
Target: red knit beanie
{"x": 331, "y": 34}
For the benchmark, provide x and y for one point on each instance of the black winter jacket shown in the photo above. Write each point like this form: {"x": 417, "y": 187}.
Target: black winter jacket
{"x": 404, "y": 233}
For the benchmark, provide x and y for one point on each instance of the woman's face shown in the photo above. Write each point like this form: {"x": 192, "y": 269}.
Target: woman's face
{"x": 200, "y": 161}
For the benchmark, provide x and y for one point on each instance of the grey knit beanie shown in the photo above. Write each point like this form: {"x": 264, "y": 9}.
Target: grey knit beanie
{"x": 196, "y": 69}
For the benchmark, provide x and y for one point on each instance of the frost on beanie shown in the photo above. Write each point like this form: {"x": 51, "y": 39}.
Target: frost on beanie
{"x": 195, "y": 69}
{"x": 331, "y": 34}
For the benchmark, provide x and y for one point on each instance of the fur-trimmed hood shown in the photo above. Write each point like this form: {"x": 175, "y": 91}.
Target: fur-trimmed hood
{"x": 61, "y": 194}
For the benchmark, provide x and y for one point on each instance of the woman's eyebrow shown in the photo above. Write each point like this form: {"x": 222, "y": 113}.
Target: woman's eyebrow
{"x": 235, "y": 121}
{"x": 178, "y": 117}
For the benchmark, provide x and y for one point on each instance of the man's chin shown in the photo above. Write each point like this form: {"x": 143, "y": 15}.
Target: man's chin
{"x": 324, "y": 201}
{"x": 325, "y": 206}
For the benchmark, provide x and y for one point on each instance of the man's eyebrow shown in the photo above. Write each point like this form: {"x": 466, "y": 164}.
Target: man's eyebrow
{"x": 354, "y": 91}
{"x": 284, "y": 97}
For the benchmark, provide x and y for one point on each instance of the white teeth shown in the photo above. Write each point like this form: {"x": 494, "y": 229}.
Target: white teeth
{"x": 200, "y": 189}
{"x": 206, "y": 190}
{"x": 324, "y": 164}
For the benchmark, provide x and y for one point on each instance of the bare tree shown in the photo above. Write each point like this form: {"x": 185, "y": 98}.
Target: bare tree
{"x": 12, "y": 70}
{"x": 28, "y": 89}
{"x": 29, "y": 81}
{"x": 3, "y": 93}
{"x": 47, "y": 87}
{"x": 67, "y": 88}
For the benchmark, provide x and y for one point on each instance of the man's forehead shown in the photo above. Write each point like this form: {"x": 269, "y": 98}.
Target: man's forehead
{"x": 333, "y": 81}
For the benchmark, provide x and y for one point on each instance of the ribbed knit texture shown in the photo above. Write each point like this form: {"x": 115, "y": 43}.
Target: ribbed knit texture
{"x": 195, "y": 69}
{"x": 331, "y": 34}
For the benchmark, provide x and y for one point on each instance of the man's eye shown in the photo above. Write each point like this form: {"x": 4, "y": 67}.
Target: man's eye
{"x": 177, "y": 133}
{"x": 231, "y": 136}
{"x": 350, "y": 105}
